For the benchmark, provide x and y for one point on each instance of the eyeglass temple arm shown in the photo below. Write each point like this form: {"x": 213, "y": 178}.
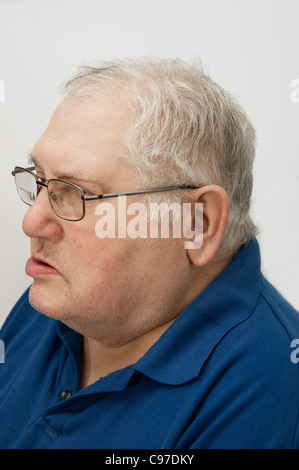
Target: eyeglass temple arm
{"x": 144, "y": 191}
{"x": 42, "y": 182}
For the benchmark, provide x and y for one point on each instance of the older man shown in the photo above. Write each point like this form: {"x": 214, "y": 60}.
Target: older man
{"x": 140, "y": 341}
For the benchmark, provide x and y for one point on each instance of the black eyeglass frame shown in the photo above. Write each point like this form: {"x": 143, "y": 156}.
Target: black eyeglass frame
{"x": 91, "y": 197}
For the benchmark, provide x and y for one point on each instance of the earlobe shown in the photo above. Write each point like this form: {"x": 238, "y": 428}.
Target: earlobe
{"x": 215, "y": 206}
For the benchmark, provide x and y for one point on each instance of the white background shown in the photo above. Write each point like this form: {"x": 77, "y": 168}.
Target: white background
{"x": 250, "y": 47}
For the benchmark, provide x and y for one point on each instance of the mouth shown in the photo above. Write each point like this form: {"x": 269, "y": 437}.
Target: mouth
{"x": 36, "y": 267}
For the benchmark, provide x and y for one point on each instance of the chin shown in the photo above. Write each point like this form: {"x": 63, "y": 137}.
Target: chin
{"x": 51, "y": 303}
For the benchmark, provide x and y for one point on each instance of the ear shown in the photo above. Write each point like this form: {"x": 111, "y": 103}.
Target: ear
{"x": 215, "y": 207}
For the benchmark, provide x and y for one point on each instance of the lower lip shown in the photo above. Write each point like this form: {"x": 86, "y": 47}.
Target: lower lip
{"x": 35, "y": 268}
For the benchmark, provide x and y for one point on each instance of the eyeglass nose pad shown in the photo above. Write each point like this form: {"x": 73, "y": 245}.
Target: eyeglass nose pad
{"x": 52, "y": 196}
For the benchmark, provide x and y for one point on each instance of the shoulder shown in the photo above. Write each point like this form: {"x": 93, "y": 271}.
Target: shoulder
{"x": 280, "y": 308}
{"x": 252, "y": 384}
{"x": 263, "y": 340}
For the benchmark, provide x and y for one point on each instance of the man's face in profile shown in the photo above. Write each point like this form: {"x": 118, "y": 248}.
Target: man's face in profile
{"x": 102, "y": 285}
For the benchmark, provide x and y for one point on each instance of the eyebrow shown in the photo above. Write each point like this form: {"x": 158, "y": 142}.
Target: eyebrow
{"x": 34, "y": 161}
{"x": 102, "y": 187}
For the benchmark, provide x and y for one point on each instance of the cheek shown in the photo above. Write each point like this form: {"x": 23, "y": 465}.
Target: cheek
{"x": 77, "y": 242}
{"x": 94, "y": 257}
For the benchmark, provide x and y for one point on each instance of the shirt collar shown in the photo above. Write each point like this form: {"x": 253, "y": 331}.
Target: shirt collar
{"x": 178, "y": 356}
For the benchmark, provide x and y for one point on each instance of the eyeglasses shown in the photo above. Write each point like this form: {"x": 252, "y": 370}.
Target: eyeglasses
{"x": 67, "y": 199}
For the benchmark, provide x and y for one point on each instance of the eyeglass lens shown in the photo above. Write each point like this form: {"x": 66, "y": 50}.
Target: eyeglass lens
{"x": 65, "y": 199}
{"x": 26, "y": 187}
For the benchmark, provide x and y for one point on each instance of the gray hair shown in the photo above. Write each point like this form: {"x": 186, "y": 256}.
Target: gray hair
{"x": 187, "y": 130}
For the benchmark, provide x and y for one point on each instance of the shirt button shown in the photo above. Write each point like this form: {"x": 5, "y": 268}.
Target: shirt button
{"x": 66, "y": 394}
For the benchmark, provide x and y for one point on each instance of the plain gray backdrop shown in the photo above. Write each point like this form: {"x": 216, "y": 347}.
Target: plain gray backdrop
{"x": 250, "y": 47}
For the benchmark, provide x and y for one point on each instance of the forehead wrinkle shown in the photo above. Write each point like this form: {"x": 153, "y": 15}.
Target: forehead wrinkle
{"x": 69, "y": 144}
{"x": 66, "y": 151}
{"x": 61, "y": 148}
{"x": 79, "y": 176}
{"x": 58, "y": 139}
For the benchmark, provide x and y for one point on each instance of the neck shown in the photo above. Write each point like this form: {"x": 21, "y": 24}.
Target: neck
{"x": 99, "y": 360}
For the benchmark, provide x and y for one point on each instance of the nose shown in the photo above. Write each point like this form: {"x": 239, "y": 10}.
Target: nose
{"x": 40, "y": 220}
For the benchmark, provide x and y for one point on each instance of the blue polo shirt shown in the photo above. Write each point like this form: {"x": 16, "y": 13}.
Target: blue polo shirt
{"x": 224, "y": 375}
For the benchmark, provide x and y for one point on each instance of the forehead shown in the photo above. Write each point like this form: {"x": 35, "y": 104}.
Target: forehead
{"x": 92, "y": 120}
{"x": 83, "y": 133}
